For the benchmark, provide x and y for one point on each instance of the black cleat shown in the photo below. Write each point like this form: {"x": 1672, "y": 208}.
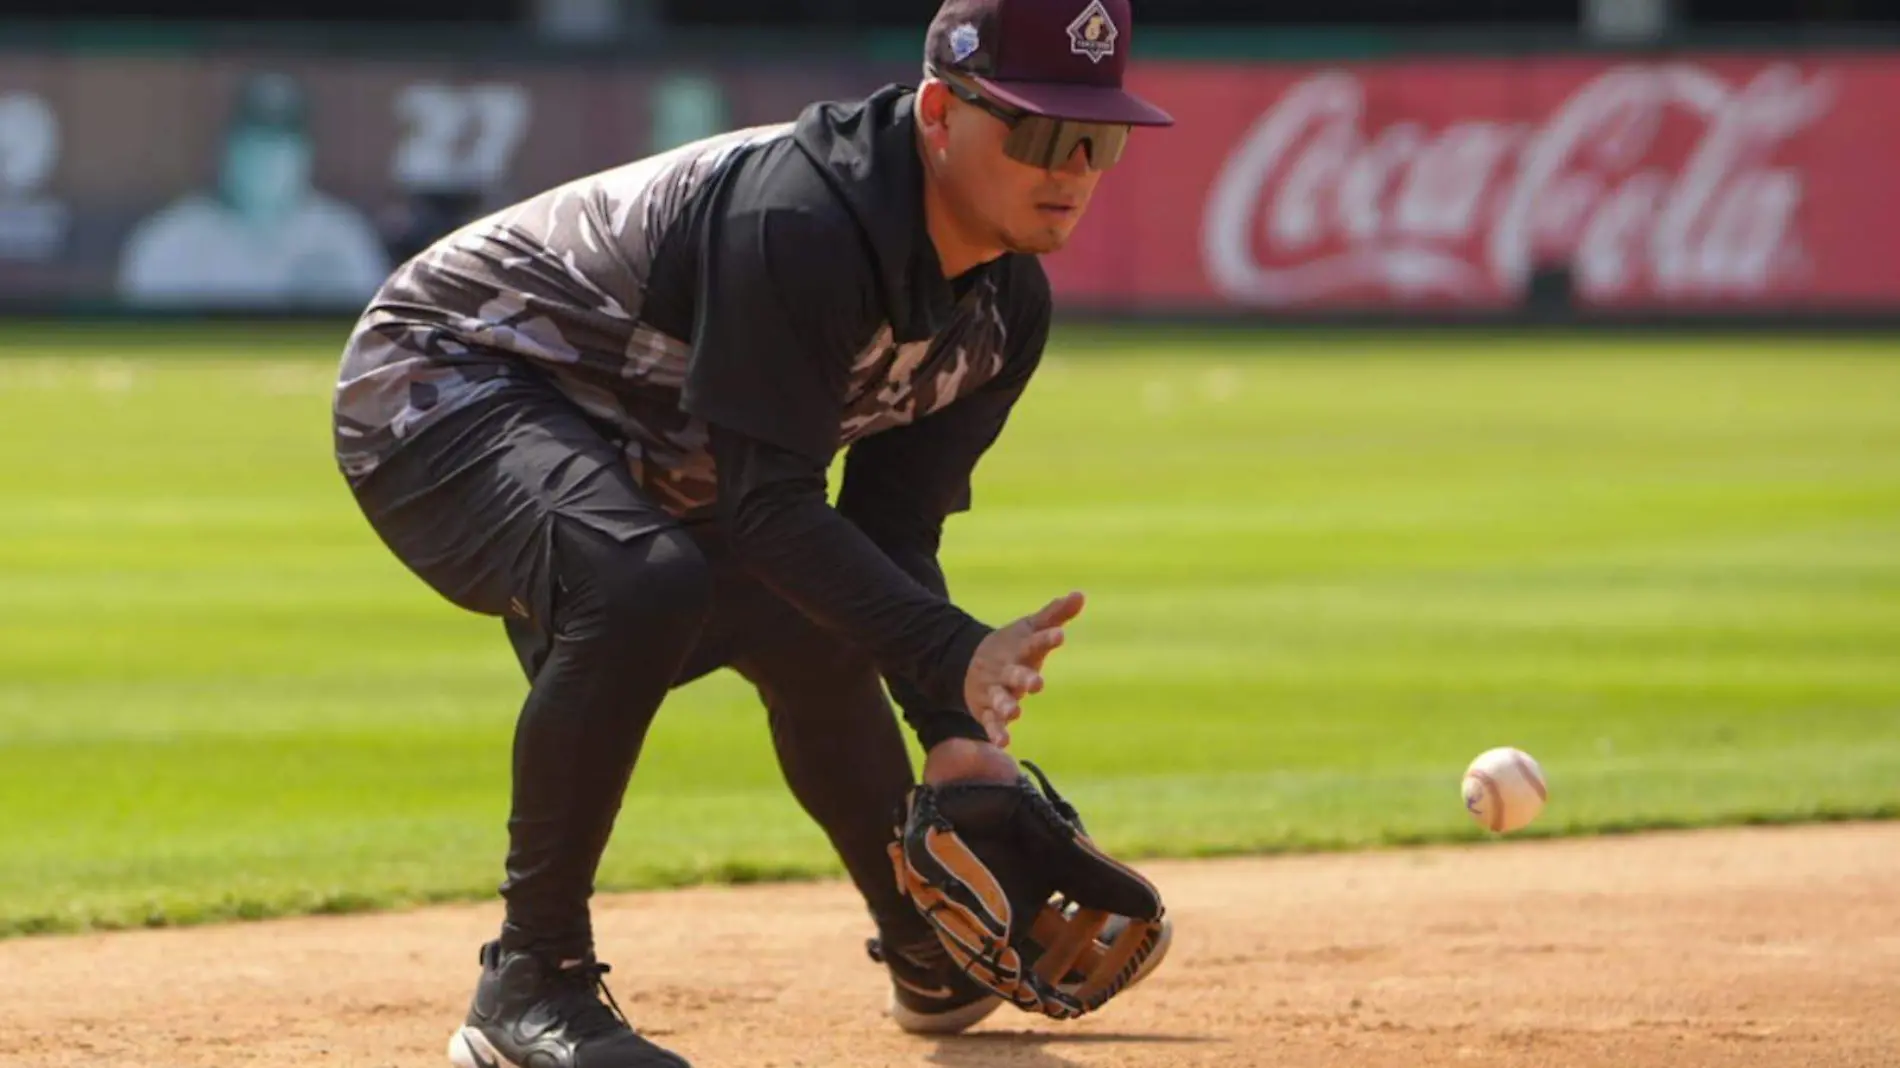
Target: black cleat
{"x": 528, "y": 1013}
{"x": 929, "y": 995}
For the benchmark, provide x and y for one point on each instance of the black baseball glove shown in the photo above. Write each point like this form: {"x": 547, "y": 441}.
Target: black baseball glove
{"x": 1023, "y": 900}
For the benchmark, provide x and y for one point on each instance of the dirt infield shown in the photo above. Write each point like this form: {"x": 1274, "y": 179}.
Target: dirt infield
{"x": 1732, "y": 949}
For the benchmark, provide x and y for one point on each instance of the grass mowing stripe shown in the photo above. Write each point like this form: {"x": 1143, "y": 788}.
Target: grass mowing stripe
{"x": 1325, "y": 572}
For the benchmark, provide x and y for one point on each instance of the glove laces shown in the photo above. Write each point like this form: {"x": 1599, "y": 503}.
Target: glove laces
{"x": 1066, "y": 810}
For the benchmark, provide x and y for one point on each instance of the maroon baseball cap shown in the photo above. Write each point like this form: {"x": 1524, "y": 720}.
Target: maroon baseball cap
{"x": 1059, "y": 58}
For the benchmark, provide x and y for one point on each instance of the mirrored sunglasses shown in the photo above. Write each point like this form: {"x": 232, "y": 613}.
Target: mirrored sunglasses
{"x": 1044, "y": 142}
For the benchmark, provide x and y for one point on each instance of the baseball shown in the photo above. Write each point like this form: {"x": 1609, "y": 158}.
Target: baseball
{"x": 1504, "y": 789}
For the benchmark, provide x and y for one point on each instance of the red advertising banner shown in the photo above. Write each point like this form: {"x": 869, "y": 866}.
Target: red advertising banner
{"x": 1720, "y": 183}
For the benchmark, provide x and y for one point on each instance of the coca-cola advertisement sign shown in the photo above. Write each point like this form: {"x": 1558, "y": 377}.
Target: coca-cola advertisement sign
{"x": 1727, "y": 183}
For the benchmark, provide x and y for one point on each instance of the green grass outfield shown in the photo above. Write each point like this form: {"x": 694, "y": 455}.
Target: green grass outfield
{"x": 1325, "y": 571}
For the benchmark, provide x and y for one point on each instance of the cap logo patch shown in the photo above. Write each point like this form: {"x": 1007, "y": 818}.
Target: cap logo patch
{"x": 1093, "y": 33}
{"x": 963, "y": 42}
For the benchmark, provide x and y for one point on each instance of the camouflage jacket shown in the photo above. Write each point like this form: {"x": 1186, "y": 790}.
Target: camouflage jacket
{"x": 613, "y": 287}
{"x": 777, "y": 283}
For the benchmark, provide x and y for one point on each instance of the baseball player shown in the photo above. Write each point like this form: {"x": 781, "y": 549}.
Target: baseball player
{"x": 606, "y": 414}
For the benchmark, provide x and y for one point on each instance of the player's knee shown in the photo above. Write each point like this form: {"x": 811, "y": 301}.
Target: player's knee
{"x": 838, "y": 663}
{"x": 661, "y": 588}
{"x": 676, "y": 577}
{"x": 653, "y": 589}
{"x": 812, "y": 674}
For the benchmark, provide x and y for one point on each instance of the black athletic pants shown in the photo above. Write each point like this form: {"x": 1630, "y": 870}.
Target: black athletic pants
{"x": 519, "y": 507}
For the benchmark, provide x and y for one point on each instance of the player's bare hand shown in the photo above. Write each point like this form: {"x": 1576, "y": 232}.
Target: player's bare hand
{"x": 1007, "y": 667}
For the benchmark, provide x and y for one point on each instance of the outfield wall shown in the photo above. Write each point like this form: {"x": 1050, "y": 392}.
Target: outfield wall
{"x": 1724, "y": 183}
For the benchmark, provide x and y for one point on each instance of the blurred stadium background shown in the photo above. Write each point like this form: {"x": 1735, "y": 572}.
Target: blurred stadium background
{"x": 1332, "y": 564}
{"x": 1347, "y": 156}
